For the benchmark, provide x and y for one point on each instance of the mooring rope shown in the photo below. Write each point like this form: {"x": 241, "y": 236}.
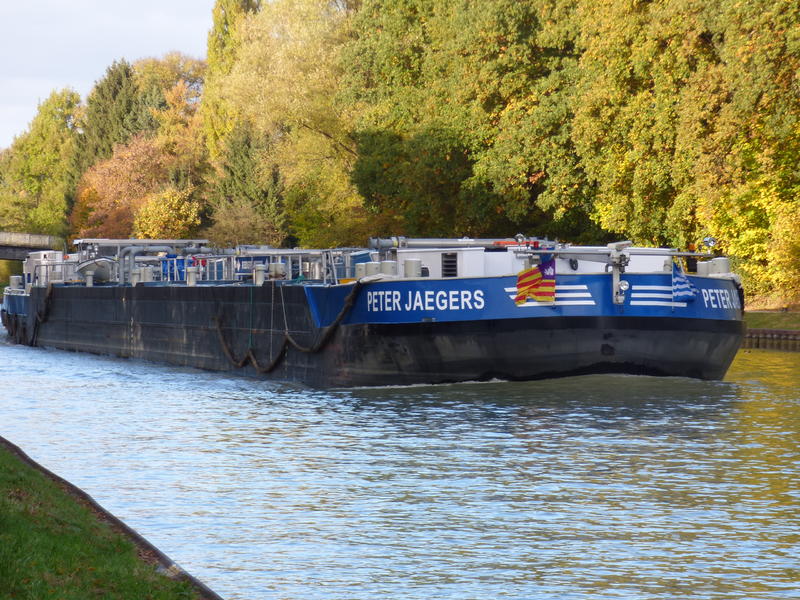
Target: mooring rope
{"x": 272, "y": 365}
{"x": 327, "y": 332}
{"x": 226, "y": 349}
{"x": 11, "y": 327}
{"x": 41, "y": 315}
{"x": 320, "y": 344}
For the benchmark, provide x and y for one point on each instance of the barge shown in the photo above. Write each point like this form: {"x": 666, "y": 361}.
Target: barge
{"x": 400, "y": 311}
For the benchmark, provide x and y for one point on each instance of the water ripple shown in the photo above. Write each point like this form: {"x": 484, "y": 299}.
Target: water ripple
{"x": 588, "y": 487}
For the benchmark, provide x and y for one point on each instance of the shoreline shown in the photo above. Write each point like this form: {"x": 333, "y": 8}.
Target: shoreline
{"x": 146, "y": 551}
{"x": 772, "y": 330}
{"x": 787, "y": 340}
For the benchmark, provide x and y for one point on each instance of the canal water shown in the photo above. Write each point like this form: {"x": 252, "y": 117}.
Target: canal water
{"x": 588, "y": 487}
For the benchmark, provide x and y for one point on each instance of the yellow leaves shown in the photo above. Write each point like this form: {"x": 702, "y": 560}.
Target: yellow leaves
{"x": 170, "y": 213}
{"x": 129, "y": 192}
{"x": 165, "y": 72}
{"x": 783, "y": 250}
{"x": 607, "y": 214}
{"x": 757, "y": 225}
{"x": 113, "y": 189}
{"x": 285, "y": 81}
{"x": 179, "y": 123}
{"x": 289, "y": 49}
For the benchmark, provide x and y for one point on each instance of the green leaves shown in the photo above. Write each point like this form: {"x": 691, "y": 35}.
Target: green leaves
{"x": 246, "y": 198}
{"x": 35, "y": 175}
{"x": 469, "y": 106}
{"x": 285, "y": 83}
{"x": 224, "y": 39}
{"x": 326, "y": 122}
{"x": 110, "y": 117}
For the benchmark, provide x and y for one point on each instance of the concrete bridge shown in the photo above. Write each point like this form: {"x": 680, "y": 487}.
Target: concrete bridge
{"x": 15, "y": 246}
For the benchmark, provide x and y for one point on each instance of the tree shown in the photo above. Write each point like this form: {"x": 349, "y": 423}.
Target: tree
{"x": 170, "y": 213}
{"x": 237, "y": 221}
{"x": 154, "y": 77}
{"x": 112, "y": 191}
{"x": 179, "y": 136}
{"x": 165, "y": 161}
{"x": 746, "y": 178}
{"x": 35, "y": 177}
{"x": 464, "y": 115}
{"x": 164, "y": 73}
{"x": 246, "y": 195}
{"x": 110, "y": 116}
{"x": 687, "y": 122}
{"x": 164, "y": 167}
{"x": 219, "y": 118}
{"x": 637, "y": 61}
{"x": 285, "y": 83}
{"x": 12, "y": 197}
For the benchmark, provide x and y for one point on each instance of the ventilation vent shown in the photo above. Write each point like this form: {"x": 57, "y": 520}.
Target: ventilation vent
{"x": 449, "y": 264}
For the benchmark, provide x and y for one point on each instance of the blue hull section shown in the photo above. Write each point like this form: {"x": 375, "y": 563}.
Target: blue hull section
{"x": 479, "y": 299}
{"x": 15, "y": 304}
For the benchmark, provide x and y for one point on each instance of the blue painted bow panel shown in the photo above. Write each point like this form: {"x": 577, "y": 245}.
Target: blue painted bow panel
{"x": 466, "y": 299}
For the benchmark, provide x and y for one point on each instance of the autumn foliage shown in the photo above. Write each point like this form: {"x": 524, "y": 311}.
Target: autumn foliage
{"x": 321, "y": 123}
{"x": 112, "y": 191}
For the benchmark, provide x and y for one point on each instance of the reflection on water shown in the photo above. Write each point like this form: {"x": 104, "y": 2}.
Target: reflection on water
{"x": 589, "y": 487}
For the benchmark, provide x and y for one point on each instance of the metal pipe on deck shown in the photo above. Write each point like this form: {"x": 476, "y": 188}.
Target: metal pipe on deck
{"x": 130, "y": 253}
{"x": 404, "y": 242}
{"x": 525, "y": 243}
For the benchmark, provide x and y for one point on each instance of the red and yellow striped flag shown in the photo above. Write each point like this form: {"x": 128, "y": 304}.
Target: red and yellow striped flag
{"x": 538, "y": 283}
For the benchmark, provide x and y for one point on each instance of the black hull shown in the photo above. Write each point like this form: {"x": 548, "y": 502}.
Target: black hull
{"x": 242, "y": 329}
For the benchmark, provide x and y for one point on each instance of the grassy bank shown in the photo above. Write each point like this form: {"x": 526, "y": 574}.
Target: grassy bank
{"x": 772, "y": 319}
{"x": 52, "y": 545}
